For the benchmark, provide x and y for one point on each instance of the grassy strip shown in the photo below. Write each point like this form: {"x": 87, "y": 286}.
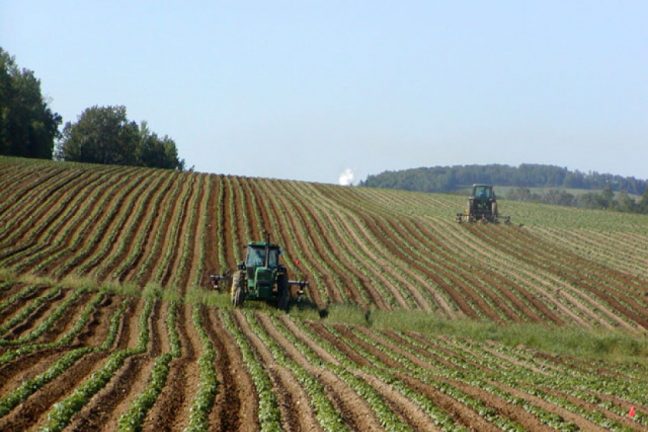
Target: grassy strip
{"x": 593, "y": 344}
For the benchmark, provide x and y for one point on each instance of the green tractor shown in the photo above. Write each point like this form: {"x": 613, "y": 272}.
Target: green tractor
{"x": 262, "y": 277}
{"x": 482, "y": 206}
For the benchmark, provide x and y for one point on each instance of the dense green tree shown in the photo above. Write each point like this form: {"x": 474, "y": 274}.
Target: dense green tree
{"x": 105, "y": 135}
{"x": 101, "y": 135}
{"x": 154, "y": 151}
{"x": 28, "y": 126}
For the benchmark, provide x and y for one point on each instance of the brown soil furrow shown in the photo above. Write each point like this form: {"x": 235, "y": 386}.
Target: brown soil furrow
{"x": 236, "y": 405}
{"x": 193, "y": 262}
{"x": 458, "y": 411}
{"x": 272, "y": 214}
{"x": 32, "y": 207}
{"x": 504, "y": 408}
{"x": 233, "y": 218}
{"x": 287, "y": 225}
{"x": 128, "y": 382}
{"x": 353, "y": 241}
{"x": 225, "y": 230}
{"x": 454, "y": 284}
{"x": 405, "y": 408}
{"x": 299, "y": 334}
{"x": 60, "y": 234}
{"x": 171, "y": 410}
{"x": 176, "y": 243}
{"x": 14, "y": 307}
{"x": 504, "y": 264}
{"x": 28, "y": 180}
{"x": 106, "y": 407}
{"x": 329, "y": 252}
{"x": 76, "y": 235}
{"x": 157, "y": 232}
{"x": 240, "y": 228}
{"x": 243, "y": 187}
{"x": 409, "y": 411}
{"x": 626, "y": 421}
{"x": 125, "y": 220}
{"x": 389, "y": 243}
{"x": 13, "y": 374}
{"x": 159, "y": 336}
{"x": 67, "y": 321}
{"x": 555, "y": 261}
{"x": 48, "y": 208}
{"x": 581, "y": 422}
{"x": 354, "y": 409}
{"x": 96, "y": 328}
{"x": 497, "y": 286}
{"x": 36, "y": 317}
{"x": 269, "y": 215}
{"x": 29, "y": 414}
{"x": 10, "y": 290}
{"x": 286, "y": 387}
{"x": 210, "y": 245}
{"x": 260, "y": 199}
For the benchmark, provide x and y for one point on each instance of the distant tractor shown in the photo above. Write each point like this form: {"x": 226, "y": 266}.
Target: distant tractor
{"x": 482, "y": 206}
{"x": 262, "y": 277}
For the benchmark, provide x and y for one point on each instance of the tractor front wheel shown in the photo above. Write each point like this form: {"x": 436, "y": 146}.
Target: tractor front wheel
{"x": 238, "y": 291}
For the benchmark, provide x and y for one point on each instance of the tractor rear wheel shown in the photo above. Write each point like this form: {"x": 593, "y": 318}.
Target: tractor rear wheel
{"x": 284, "y": 293}
{"x": 238, "y": 291}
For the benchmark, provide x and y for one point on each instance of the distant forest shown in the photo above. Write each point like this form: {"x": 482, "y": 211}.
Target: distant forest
{"x": 553, "y": 179}
{"x": 449, "y": 179}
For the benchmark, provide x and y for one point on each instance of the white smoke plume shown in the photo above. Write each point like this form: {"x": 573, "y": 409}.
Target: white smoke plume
{"x": 346, "y": 177}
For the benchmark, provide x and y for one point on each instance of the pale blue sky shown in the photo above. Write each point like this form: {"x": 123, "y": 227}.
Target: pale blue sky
{"x": 307, "y": 89}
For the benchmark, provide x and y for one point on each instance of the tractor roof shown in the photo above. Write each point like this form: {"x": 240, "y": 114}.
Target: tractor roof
{"x": 262, "y": 244}
{"x": 482, "y": 184}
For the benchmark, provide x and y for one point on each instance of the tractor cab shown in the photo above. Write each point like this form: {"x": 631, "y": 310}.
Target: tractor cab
{"x": 483, "y": 192}
{"x": 262, "y": 254}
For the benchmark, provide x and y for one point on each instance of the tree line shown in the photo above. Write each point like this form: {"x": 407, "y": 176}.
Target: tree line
{"x": 608, "y": 191}
{"x": 606, "y": 199}
{"x": 101, "y": 134}
{"x": 451, "y": 178}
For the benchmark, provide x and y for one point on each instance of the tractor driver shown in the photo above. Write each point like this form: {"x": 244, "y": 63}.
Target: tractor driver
{"x": 255, "y": 258}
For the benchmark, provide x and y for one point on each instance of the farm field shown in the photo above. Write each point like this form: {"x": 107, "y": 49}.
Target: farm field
{"x": 107, "y": 320}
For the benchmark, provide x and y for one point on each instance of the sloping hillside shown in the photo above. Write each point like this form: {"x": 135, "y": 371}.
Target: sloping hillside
{"x": 361, "y": 246}
{"x": 107, "y": 322}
